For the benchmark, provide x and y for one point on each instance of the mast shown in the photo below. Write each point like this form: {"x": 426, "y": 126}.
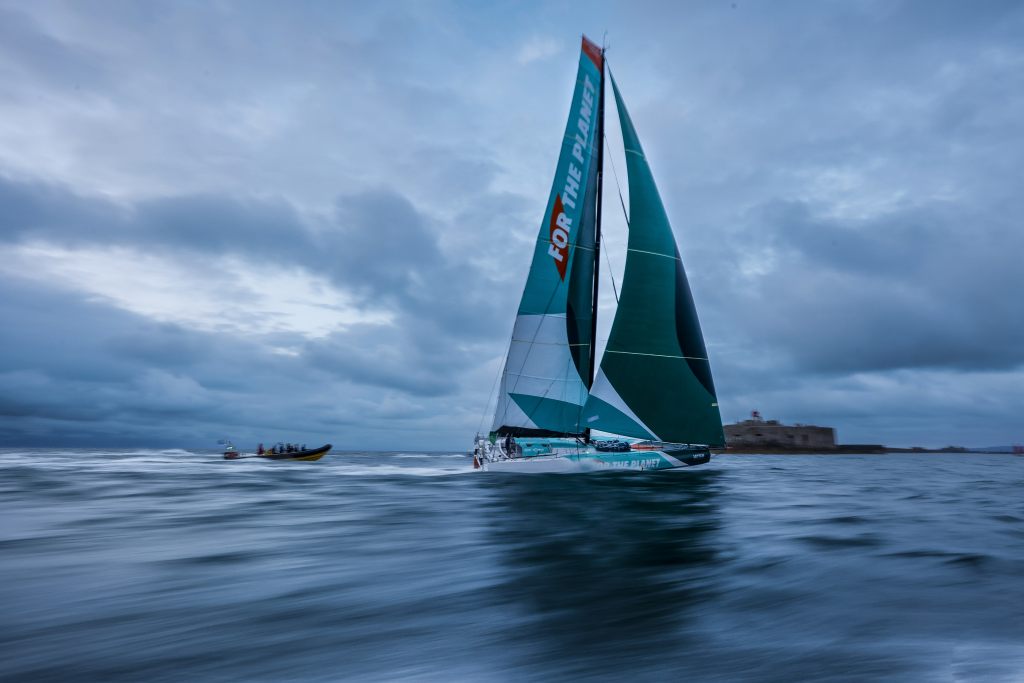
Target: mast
{"x": 597, "y": 232}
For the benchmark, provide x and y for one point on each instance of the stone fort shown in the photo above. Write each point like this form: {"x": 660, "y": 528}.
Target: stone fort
{"x": 760, "y": 433}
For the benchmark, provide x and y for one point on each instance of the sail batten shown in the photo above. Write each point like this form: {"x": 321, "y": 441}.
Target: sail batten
{"x": 656, "y": 355}
{"x": 654, "y": 253}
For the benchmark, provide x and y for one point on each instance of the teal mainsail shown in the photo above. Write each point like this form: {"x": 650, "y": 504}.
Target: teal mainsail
{"x": 655, "y": 378}
{"x": 548, "y": 369}
{"x": 654, "y": 381}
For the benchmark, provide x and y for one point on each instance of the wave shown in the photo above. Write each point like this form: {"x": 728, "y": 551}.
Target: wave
{"x": 397, "y": 470}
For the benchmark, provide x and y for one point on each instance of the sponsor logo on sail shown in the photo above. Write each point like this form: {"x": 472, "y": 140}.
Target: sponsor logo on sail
{"x": 561, "y": 226}
{"x": 561, "y": 222}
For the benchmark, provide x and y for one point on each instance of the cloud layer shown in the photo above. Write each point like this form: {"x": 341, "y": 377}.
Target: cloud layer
{"x": 313, "y": 222}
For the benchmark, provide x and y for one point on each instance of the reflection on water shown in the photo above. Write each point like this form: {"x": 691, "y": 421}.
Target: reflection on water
{"x": 177, "y": 565}
{"x": 604, "y": 571}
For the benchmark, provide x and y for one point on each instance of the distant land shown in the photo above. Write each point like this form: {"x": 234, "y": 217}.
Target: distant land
{"x": 1015, "y": 450}
{"x": 758, "y": 435}
{"x": 860, "y": 449}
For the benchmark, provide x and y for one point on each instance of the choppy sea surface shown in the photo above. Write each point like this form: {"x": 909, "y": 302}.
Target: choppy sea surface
{"x": 155, "y": 565}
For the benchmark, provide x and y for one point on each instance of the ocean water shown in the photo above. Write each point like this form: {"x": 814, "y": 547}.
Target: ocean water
{"x": 177, "y": 566}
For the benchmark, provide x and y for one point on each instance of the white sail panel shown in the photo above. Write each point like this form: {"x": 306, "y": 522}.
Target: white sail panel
{"x": 605, "y": 410}
{"x": 539, "y": 364}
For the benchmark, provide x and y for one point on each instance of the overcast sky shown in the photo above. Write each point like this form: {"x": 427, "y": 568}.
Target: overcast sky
{"x": 311, "y": 221}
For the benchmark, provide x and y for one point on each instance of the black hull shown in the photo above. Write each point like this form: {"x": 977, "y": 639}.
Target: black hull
{"x": 691, "y": 456}
{"x": 308, "y": 454}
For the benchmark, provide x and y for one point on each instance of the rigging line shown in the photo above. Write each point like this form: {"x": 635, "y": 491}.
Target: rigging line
{"x": 529, "y": 350}
{"x": 618, "y": 187}
{"x": 611, "y": 274}
{"x": 533, "y": 340}
{"x": 493, "y": 393}
{"x": 569, "y": 365}
{"x": 625, "y": 214}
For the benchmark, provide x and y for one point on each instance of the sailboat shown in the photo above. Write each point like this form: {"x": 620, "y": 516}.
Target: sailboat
{"x": 653, "y": 386}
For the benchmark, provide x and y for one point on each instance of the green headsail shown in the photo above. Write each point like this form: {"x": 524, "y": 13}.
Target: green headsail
{"x": 654, "y": 380}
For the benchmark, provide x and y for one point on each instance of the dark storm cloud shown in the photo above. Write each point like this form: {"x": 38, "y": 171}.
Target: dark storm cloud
{"x": 387, "y": 357}
{"x": 382, "y": 243}
{"x": 912, "y": 288}
{"x": 46, "y": 334}
{"x": 61, "y": 362}
{"x": 843, "y": 184}
{"x": 201, "y": 223}
{"x": 376, "y": 244}
{"x": 843, "y": 179}
{"x": 39, "y": 210}
{"x": 218, "y": 225}
{"x": 80, "y": 372}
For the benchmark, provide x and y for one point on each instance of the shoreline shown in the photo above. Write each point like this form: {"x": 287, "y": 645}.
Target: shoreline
{"x": 841, "y": 450}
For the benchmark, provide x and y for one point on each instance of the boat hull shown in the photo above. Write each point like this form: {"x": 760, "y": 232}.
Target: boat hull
{"x": 595, "y": 461}
{"x": 309, "y": 455}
